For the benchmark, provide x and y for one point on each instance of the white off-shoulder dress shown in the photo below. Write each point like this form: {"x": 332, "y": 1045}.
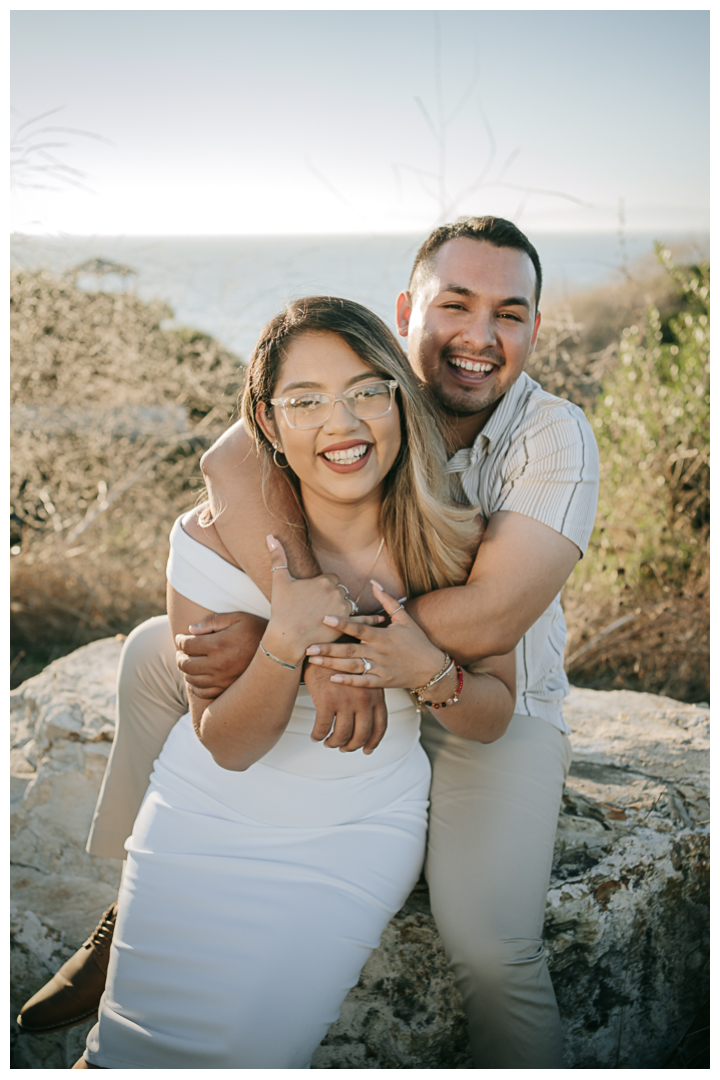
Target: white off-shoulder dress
{"x": 251, "y": 900}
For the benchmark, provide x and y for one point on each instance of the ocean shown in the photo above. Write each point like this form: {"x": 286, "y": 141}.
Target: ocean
{"x": 230, "y": 286}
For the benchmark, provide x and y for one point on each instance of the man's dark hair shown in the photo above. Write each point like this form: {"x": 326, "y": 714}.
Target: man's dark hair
{"x": 493, "y": 230}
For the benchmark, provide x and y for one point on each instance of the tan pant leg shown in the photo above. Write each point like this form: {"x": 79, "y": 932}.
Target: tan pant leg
{"x": 151, "y": 698}
{"x": 493, "y": 816}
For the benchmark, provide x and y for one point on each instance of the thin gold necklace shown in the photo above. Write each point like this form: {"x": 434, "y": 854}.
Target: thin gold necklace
{"x": 367, "y": 579}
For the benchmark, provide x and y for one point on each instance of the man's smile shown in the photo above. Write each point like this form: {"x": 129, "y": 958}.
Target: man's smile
{"x": 470, "y": 370}
{"x": 471, "y": 365}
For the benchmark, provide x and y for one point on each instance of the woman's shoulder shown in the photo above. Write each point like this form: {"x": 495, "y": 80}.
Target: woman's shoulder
{"x": 202, "y": 570}
{"x": 198, "y": 524}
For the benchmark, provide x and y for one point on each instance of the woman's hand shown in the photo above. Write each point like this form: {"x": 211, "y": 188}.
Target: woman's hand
{"x": 299, "y": 607}
{"x": 399, "y": 654}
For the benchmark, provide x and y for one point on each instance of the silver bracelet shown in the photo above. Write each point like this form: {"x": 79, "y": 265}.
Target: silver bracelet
{"x": 290, "y": 667}
{"x": 447, "y": 666}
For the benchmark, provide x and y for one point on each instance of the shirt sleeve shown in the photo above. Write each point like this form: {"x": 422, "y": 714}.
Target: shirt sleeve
{"x": 552, "y": 473}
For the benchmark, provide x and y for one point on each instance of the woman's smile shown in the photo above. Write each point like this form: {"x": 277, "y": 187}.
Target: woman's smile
{"x": 349, "y": 456}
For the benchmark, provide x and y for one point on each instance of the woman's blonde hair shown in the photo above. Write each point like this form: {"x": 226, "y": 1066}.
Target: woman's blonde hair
{"x": 430, "y": 540}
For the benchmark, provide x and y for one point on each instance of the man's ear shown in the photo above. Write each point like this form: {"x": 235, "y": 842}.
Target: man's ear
{"x": 536, "y": 328}
{"x": 266, "y": 424}
{"x": 403, "y": 309}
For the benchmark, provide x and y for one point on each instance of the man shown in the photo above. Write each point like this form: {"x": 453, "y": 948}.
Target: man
{"x": 529, "y": 462}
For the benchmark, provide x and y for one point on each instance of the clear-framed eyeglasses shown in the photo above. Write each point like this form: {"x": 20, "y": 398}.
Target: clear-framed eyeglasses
{"x": 310, "y": 409}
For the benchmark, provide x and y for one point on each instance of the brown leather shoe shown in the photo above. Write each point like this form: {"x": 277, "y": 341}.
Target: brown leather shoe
{"x": 74, "y": 993}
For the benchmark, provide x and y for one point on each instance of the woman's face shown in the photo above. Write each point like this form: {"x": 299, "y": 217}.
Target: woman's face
{"x": 346, "y": 458}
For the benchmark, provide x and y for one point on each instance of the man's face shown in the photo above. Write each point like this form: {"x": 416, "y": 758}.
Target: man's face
{"x": 473, "y": 324}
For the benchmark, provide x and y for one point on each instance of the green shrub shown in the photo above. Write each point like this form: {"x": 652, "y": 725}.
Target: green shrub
{"x": 651, "y": 421}
{"x": 638, "y": 603}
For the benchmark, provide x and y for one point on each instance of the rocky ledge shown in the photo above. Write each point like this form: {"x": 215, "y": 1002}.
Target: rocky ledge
{"x": 627, "y": 914}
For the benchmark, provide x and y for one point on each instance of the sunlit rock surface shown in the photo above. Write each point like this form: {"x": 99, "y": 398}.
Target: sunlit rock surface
{"x": 627, "y": 915}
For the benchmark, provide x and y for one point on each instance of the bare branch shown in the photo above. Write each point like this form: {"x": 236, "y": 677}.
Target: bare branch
{"x": 419, "y": 174}
{"x": 333, "y": 190}
{"x": 508, "y": 161}
{"x": 416, "y": 170}
{"x": 473, "y": 83}
{"x": 541, "y": 191}
{"x": 491, "y": 137}
{"x": 438, "y": 71}
{"x": 398, "y": 181}
{"x": 521, "y": 208}
{"x": 426, "y": 115}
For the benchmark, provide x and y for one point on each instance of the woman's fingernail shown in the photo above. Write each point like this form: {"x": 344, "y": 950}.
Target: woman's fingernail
{"x": 313, "y": 650}
{"x": 193, "y": 627}
{"x": 315, "y": 660}
{"x": 377, "y": 585}
{"x": 270, "y": 541}
{"x": 331, "y": 620}
{"x": 336, "y": 678}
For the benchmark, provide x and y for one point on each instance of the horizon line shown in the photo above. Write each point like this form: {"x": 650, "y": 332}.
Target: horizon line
{"x": 651, "y": 231}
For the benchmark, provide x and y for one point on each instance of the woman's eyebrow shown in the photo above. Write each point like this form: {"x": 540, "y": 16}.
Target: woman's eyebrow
{"x": 365, "y": 375}
{"x": 321, "y": 386}
{"x": 301, "y": 386}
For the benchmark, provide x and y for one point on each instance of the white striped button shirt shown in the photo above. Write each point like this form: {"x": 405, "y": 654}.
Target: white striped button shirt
{"x": 536, "y": 456}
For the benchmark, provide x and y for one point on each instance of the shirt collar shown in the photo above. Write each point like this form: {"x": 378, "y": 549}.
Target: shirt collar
{"x": 503, "y": 415}
{"x": 495, "y": 427}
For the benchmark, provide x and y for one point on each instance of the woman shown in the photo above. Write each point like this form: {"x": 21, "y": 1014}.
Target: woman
{"x": 263, "y": 867}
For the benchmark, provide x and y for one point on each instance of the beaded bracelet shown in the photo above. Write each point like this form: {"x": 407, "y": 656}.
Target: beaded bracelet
{"x": 450, "y": 701}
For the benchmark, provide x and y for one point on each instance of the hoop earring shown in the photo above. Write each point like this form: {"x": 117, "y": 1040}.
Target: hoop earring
{"x": 275, "y": 453}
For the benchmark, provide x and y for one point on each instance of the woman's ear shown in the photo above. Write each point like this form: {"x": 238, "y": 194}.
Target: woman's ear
{"x": 265, "y": 423}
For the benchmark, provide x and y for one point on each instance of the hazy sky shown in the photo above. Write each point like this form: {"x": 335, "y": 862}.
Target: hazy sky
{"x": 228, "y": 122}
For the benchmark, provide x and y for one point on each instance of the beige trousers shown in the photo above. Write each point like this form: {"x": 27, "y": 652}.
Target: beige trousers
{"x": 493, "y": 815}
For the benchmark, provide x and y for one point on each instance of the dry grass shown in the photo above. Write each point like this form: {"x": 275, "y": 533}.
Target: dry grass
{"x": 110, "y": 413}
{"x": 635, "y": 643}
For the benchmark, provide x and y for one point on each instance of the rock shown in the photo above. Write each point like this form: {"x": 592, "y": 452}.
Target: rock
{"x": 627, "y": 922}
{"x": 627, "y": 915}
{"x": 62, "y": 724}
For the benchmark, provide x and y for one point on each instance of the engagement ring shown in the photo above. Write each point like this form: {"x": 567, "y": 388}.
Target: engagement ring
{"x": 367, "y": 666}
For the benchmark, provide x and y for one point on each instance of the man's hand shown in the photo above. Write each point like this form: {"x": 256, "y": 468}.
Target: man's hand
{"x": 360, "y": 715}
{"x": 218, "y": 651}
{"x": 520, "y": 567}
